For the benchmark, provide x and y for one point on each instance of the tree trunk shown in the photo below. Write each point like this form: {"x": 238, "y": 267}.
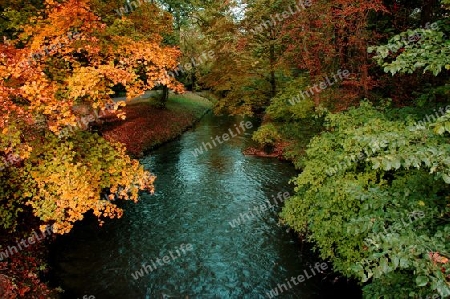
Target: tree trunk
{"x": 427, "y": 10}
{"x": 194, "y": 81}
{"x": 273, "y": 82}
{"x": 164, "y": 97}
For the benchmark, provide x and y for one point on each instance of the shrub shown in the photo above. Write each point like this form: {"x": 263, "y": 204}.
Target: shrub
{"x": 355, "y": 214}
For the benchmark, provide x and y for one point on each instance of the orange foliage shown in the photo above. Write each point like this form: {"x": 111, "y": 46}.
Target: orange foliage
{"x": 66, "y": 57}
{"x": 80, "y": 69}
{"x": 330, "y": 32}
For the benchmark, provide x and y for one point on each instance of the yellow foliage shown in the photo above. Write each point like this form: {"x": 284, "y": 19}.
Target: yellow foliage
{"x": 65, "y": 185}
{"x": 53, "y": 50}
{"x": 69, "y": 57}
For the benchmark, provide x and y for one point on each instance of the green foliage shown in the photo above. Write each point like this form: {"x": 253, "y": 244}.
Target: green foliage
{"x": 14, "y": 14}
{"x": 10, "y": 209}
{"x": 289, "y": 104}
{"x": 432, "y": 93}
{"x": 362, "y": 178}
{"x": 421, "y": 48}
{"x": 291, "y": 118}
{"x": 432, "y": 53}
{"x": 442, "y": 125}
{"x": 267, "y": 135}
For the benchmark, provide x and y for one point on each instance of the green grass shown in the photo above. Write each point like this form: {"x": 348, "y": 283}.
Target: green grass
{"x": 189, "y": 102}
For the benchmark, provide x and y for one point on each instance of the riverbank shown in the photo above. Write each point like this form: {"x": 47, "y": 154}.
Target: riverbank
{"x": 277, "y": 151}
{"x": 147, "y": 126}
{"x": 23, "y": 271}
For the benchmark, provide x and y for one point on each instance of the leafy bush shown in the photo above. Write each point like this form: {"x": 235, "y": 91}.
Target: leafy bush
{"x": 267, "y": 135}
{"x": 362, "y": 178}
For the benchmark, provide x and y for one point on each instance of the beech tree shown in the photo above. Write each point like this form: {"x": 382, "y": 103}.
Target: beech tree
{"x": 65, "y": 58}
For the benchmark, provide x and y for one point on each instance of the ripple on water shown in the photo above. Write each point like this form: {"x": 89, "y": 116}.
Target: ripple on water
{"x": 195, "y": 199}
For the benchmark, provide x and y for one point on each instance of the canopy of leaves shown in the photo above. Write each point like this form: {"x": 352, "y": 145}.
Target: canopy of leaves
{"x": 58, "y": 69}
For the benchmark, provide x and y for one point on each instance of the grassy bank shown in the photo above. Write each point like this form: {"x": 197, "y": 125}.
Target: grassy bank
{"x": 146, "y": 126}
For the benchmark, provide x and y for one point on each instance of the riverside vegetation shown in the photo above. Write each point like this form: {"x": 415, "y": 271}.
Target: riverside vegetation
{"x": 368, "y": 123}
{"x": 397, "y": 74}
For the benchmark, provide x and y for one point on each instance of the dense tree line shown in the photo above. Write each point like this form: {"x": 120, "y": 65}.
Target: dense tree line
{"x": 356, "y": 91}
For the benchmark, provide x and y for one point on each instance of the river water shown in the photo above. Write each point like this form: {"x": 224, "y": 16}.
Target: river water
{"x": 196, "y": 200}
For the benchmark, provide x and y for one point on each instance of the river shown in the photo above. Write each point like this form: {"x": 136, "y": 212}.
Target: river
{"x": 188, "y": 224}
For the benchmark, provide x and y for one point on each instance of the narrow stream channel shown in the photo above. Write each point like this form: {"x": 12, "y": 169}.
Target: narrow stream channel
{"x": 196, "y": 200}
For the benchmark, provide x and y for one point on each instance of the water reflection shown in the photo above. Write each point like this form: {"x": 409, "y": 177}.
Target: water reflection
{"x": 196, "y": 199}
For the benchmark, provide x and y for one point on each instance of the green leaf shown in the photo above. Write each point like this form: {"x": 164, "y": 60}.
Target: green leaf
{"x": 446, "y": 178}
{"x": 422, "y": 281}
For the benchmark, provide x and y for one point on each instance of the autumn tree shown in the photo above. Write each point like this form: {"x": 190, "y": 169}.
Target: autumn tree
{"x": 332, "y": 35}
{"x": 245, "y": 72}
{"x": 194, "y": 46}
{"x": 61, "y": 68}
